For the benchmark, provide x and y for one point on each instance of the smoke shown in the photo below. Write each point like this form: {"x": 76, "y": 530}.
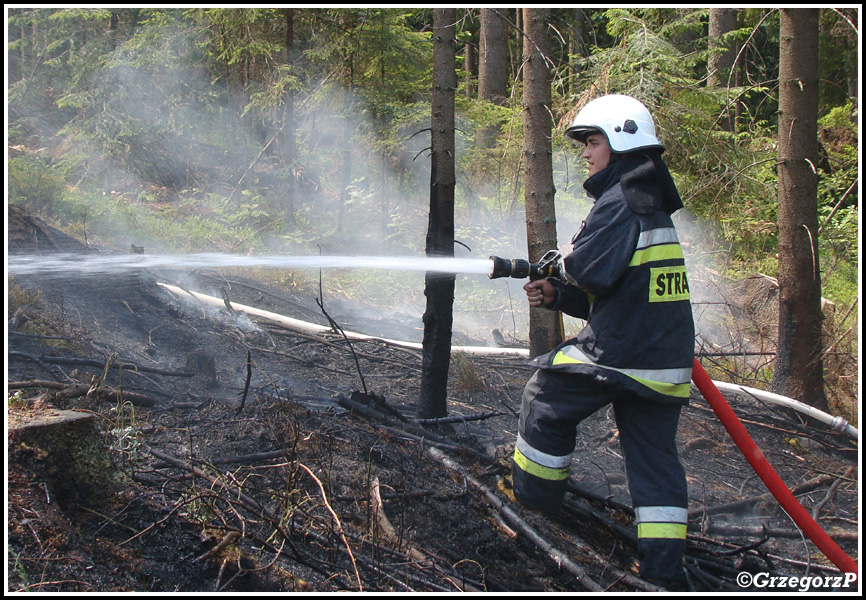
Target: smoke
{"x": 700, "y": 240}
{"x": 164, "y": 128}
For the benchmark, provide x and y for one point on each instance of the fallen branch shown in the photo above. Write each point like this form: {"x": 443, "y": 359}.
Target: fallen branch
{"x": 714, "y": 584}
{"x": 761, "y": 531}
{"x": 337, "y": 328}
{"x": 75, "y": 390}
{"x": 387, "y": 528}
{"x": 278, "y": 330}
{"x": 573, "y": 488}
{"x": 582, "y": 509}
{"x": 38, "y": 337}
{"x": 176, "y": 462}
{"x": 317, "y": 365}
{"x": 503, "y": 526}
{"x": 247, "y": 458}
{"x": 380, "y": 518}
{"x": 13, "y": 355}
{"x": 560, "y": 558}
{"x": 89, "y": 362}
{"x": 457, "y": 419}
{"x": 621, "y": 575}
{"x": 805, "y": 487}
{"x": 230, "y": 537}
{"x": 226, "y": 300}
{"x": 416, "y": 433}
{"x": 817, "y": 508}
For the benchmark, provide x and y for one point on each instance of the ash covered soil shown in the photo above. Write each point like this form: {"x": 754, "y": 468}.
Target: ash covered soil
{"x": 233, "y": 454}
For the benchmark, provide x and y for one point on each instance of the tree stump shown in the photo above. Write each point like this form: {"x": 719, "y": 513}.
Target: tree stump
{"x": 64, "y": 451}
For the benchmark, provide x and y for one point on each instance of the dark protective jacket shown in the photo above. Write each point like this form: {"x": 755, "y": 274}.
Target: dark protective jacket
{"x": 626, "y": 276}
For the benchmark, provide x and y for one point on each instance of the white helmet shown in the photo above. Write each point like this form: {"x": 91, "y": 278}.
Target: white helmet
{"x": 624, "y": 120}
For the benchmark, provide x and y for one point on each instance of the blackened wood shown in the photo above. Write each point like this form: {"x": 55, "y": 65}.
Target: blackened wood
{"x": 439, "y": 288}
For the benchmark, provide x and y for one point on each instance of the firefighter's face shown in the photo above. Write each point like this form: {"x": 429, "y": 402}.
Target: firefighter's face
{"x": 597, "y": 153}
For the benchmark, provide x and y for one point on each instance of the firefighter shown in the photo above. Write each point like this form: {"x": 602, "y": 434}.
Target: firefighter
{"x": 626, "y": 277}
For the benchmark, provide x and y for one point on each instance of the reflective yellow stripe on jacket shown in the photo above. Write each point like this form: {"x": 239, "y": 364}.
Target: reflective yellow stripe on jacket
{"x": 671, "y": 382}
{"x": 657, "y": 245}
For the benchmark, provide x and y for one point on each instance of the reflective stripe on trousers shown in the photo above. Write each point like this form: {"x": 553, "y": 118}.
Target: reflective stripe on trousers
{"x": 661, "y": 540}
{"x": 539, "y": 478}
{"x": 540, "y": 464}
{"x": 663, "y": 522}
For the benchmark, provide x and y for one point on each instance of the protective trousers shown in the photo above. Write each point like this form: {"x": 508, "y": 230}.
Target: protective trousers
{"x": 553, "y": 405}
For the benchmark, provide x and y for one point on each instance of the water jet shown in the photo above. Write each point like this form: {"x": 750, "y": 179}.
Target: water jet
{"x": 104, "y": 264}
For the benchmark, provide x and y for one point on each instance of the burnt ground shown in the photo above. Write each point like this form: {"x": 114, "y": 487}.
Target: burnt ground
{"x": 289, "y": 480}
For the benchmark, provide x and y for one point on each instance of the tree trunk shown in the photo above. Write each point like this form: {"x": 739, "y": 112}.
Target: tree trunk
{"x": 578, "y": 49}
{"x": 439, "y": 288}
{"x": 721, "y": 59}
{"x": 493, "y": 68}
{"x": 722, "y": 53}
{"x": 493, "y": 51}
{"x": 544, "y": 325}
{"x": 470, "y": 59}
{"x": 289, "y": 124}
{"x": 799, "y": 367}
{"x": 346, "y": 150}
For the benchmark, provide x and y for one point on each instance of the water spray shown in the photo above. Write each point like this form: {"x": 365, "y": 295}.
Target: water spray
{"x": 106, "y": 264}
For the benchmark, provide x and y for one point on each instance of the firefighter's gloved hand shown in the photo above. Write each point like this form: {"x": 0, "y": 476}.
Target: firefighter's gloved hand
{"x": 540, "y": 293}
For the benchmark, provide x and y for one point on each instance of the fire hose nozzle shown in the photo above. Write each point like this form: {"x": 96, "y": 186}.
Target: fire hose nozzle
{"x": 519, "y": 268}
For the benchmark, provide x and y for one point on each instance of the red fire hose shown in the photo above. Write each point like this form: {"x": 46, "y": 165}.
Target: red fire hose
{"x": 767, "y": 474}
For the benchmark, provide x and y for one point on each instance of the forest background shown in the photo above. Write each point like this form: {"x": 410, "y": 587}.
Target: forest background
{"x": 306, "y": 131}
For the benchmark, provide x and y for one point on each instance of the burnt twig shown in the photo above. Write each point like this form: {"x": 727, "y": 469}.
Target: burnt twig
{"x": 230, "y": 537}
{"x": 817, "y": 508}
{"x": 457, "y": 419}
{"x": 226, "y": 300}
{"x": 89, "y": 362}
{"x": 74, "y": 390}
{"x": 803, "y": 488}
{"x": 247, "y": 384}
{"x": 340, "y": 329}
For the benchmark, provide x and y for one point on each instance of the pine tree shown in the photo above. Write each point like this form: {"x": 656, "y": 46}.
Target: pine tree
{"x": 799, "y": 367}
{"x": 544, "y": 325}
{"x": 439, "y": 288}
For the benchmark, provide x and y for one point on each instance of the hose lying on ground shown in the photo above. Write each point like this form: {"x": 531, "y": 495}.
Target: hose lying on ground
{"x": 836, "y": 423}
